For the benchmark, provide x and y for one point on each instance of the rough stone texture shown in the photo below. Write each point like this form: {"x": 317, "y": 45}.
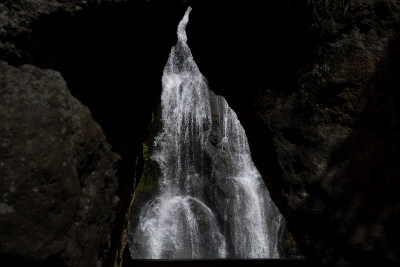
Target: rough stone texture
{"x": 58, "y": 182}
{"x": 316, "y": 89}
{"x": 336, "y": 140}
{"x": 16, "y": 18}
{"x": 111, "y": 54}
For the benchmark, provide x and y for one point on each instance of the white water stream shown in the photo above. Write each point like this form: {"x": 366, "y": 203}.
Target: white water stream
{"x": 212, "y": 202}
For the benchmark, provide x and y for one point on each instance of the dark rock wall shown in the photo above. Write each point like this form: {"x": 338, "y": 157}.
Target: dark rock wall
{"x": 58, "y": 177}
{"x": 315, "y": 85}
{"x": 111, "y": 54}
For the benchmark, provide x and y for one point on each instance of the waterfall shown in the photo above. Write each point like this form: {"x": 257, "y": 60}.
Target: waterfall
{"x": 211, "y": 201}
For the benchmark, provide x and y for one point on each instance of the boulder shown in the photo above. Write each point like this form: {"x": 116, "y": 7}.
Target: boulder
{"x": 58, "y": 177}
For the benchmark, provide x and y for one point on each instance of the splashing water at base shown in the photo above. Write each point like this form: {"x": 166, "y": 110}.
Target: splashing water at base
{"x": 212, "y": 202}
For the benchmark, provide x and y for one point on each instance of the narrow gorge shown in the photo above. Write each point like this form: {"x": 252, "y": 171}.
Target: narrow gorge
{"x": 314, "y": 84}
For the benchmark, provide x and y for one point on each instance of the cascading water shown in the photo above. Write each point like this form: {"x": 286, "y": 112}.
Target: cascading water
{"x": 211, "y": 202}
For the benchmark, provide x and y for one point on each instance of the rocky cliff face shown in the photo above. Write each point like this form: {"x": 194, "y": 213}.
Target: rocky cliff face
{"x": 72, "y": 193}
{"x": 314, "y": 85}
{"x": 58, "y": 176}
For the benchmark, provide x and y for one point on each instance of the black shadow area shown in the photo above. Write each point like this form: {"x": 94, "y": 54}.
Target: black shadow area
{"x": 218, "y": 262}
